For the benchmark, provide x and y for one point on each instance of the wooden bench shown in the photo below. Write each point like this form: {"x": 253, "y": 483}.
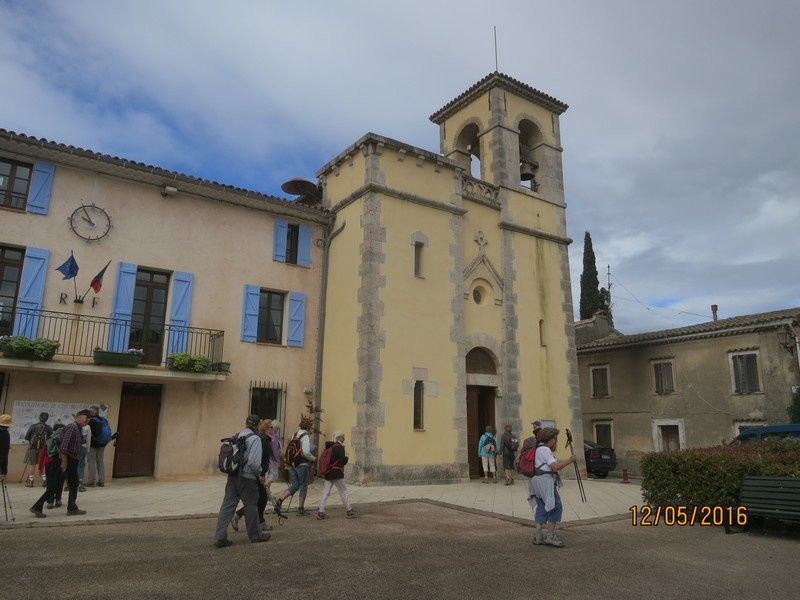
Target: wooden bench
{"x": 772, "y": 497}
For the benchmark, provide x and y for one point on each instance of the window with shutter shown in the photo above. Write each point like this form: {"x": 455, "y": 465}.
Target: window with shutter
{"x": 31, "y": 292}
{"x": 292, "y": 241}
{"x": 603, "y": 435}
{"x": 663, "y": 376}
{"x": 600, "y": 382}
{"x": 10, "y": 274}
{"x": 745, "y": 373}
{"x": 419, "y": 393}
{"x": 270, "y": 317}
{"x": 14, "y": 183}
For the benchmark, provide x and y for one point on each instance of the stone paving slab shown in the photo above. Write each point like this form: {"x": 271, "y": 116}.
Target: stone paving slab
{"x": 147, "y": 499}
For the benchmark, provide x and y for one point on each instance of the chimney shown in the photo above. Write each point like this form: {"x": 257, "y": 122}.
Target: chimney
{"x": 714, "y": 309}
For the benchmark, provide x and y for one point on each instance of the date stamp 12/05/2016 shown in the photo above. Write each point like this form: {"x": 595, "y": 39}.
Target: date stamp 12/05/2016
{"x": 681, "y": 516}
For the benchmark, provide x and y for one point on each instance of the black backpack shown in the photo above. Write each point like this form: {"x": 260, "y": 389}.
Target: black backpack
{"x": 39, "y": 437}
{"x": 294, "y": 450}
{"x": 233, "y": 454}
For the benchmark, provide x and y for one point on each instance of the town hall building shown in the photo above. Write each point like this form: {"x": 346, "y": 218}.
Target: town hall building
{"x": 415, "y": 296}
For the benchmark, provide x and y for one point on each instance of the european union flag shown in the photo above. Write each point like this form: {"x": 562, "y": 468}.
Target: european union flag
{"x": 70, "y": 267}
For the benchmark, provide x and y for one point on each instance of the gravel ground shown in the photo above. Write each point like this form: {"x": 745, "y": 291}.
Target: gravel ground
{"x": 413, "y": 550}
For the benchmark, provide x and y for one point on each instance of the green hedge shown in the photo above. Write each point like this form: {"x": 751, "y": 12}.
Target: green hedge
{"x": 713, "y": 476}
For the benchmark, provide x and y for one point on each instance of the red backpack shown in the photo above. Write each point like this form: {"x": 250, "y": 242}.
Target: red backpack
{"x": 325, "y": 464}
{"x": 527, "y": 458}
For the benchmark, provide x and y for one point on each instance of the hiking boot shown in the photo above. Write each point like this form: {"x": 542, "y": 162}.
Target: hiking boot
{"x": 264, "y": 538}
{"x": 44, "y": 482}
{"x": 75, "y": 512}
{"x": 57, "y": 505}
{"x": 50, "y": 505}
{"x": 235, "y": 522}
{"x": 351, "y": 514}
{"x": 321, "y": 516}
{"x": 100, "y": 484}
{"x": 551, "y": 539}
{"x": 37, "y": 513}
{"x": 508, "y": 482}
{"x": 222, "y": 543}
{"x": 495, "y": 479}
{"x": 538, "y": 537}
{"x": 302, "y": 512}
{"x": 81, "y": 488}
{"x": 89, "y": 484}
{"x": 265, "y": 528}
{"x": 276, "y": 506}
{"x": 485, "y": 480}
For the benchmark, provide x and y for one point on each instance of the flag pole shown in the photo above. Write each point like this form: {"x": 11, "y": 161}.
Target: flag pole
{"x": 78, "y": 299}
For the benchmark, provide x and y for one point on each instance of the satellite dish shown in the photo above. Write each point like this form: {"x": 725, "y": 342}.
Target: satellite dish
{"x": 300, "y": 187}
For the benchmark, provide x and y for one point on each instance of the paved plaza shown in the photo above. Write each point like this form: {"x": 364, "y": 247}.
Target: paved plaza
{"x": 144, "y": 498}
{"x": 407, "y": 550}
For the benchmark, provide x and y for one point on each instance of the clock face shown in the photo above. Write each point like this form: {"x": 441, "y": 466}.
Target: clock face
{"x": 90, "y": 222}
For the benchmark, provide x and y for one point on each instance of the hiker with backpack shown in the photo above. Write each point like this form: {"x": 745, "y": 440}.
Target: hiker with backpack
{"x": 86, "y": 431}
{"x": 543, "y": 486}
{"x": 331, "y": 467}
{"x": 299, "y": 458}
{"x": 509, "y": 444}
{"x": 55, "y": 477}
{"x": 69, "y": 450}
{"x": 240, "y": 460}
{"x": 101, "y": 435}
{"x": 487, "y": 450}
{"x": 36, "y": 437}
{"x": 263, "y": 490}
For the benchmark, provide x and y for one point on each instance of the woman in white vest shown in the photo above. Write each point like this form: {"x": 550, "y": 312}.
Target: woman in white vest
{"x": 543, "y": 486}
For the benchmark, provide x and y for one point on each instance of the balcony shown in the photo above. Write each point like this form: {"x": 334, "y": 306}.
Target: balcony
{"x": 79, "y": 335}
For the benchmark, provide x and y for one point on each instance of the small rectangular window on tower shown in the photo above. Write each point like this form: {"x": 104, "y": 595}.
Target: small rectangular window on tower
{"x": 419, "y": 393}
{"x": 418, "y": 259}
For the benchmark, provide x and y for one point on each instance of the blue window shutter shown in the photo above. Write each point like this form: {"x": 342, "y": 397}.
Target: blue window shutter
{"x": 31, "y": 292}
{"x": 279, "y": 243}
{"x": 304, "y": 246}
{"x": 252, "y": 295}
{"x": 120, "y": 330}
{"x": 297, "y": 318}
{"x": 180, "y": 312}
{"x": 40, "y": 187}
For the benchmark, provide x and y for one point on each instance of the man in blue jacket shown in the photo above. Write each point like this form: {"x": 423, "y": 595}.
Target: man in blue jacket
{"x": 487, "y": 450}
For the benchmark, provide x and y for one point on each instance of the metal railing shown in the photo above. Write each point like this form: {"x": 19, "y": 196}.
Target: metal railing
{"x": 79, "y": 335}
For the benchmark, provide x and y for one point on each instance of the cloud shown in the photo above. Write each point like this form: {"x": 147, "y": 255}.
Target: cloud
{"x": 681, "y": 153}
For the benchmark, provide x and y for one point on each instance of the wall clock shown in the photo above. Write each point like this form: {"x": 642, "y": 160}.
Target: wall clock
{"x": 90, "y": 222}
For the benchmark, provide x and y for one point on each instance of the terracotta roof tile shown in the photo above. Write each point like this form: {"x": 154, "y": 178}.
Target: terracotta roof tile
{"x": 721, "y": 327}
{"x": 506, "y": 82}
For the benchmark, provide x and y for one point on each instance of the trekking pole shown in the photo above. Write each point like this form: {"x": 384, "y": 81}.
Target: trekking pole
{"x": 5, "y": 505}
{"x": 575, "y": 464}
{"x": 10, "y": 508}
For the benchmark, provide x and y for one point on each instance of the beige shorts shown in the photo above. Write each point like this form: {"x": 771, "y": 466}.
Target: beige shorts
{"x": 32, "y": 456}
{"x": 489, "y": 464}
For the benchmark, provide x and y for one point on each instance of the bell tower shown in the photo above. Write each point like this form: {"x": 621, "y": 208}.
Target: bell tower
{"x": 511, "y": 130}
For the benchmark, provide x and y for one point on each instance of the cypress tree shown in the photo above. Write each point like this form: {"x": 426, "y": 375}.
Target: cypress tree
{"x": 591, "y": 299}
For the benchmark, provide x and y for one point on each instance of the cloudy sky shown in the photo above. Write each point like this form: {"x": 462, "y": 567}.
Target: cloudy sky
{"x": 682, "y": 141}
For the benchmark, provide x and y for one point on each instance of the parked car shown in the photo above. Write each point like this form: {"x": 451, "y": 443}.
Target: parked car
{"x": 789, "y": 431}
{"x": 599, "y": 460}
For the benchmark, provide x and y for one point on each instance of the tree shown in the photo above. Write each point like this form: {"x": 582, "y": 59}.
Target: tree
{"x": 591, "y": 298}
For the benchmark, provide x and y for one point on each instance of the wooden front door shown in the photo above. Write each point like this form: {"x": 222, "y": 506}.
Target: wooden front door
{"x": 670, "y": 438}
{"x": 138, "y": 428}
{"x": 148, "y": 314}
{"x": 480, "y": 413}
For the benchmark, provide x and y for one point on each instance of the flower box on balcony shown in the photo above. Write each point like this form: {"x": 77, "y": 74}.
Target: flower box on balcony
{"x": 193, "y": 363}
{"x": 116, "y": 359}
{"x": 221, "y": 367}
{"x": 18, "y": 346}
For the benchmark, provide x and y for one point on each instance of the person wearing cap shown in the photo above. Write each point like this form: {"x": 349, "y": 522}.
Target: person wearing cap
{"x": 543, "y": 488}
{"x": 69, "y": 449}
{"x": 243, "y": 485}
{"x": 335, "y": 477}
{"x": 5, "y": 444}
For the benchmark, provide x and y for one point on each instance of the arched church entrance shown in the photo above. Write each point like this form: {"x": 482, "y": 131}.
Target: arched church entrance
{"x": 481, "y": 391}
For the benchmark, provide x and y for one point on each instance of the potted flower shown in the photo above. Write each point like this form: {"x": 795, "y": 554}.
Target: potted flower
{"x": 17, "y": 346}
{"x": 107, "y": 358}
{"x": 193, "y": 363}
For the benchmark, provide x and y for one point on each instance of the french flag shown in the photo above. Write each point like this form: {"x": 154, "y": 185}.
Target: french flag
{"x": 97, "y": 282}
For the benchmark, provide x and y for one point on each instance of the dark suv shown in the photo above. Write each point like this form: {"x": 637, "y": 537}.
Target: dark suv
{"x": 599, "y": 460}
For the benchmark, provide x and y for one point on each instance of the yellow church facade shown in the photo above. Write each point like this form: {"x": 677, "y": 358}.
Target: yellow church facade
{"x": 448, "y": 304}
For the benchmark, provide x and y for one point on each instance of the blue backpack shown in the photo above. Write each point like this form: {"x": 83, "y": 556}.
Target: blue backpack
{"x": 105, "y": 430}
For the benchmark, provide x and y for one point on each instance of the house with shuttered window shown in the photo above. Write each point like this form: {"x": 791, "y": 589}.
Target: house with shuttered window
{"x": 193, "y": 267}
{"x": 694, "y": 386}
